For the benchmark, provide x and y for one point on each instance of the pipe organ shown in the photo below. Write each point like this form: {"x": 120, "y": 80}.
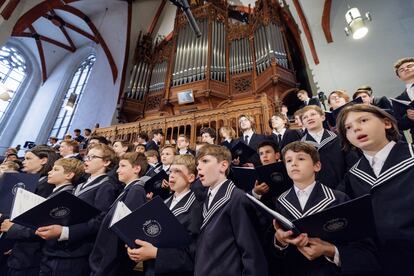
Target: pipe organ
{"x": 190, "y": 60}
{"x": 239, "y": 56}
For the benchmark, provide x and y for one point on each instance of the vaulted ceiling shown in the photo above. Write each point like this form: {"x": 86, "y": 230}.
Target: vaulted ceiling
{"x": 52, "y": 29}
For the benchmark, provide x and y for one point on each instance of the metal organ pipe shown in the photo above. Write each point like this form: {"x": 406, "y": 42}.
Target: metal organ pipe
{"x": 204, "y": 51}
{"x": 218, "y": 62}
{"x": 158, "y": 76}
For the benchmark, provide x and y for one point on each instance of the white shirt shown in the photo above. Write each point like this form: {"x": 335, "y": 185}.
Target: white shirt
{"x": 317, "y": 135}
{"x": 177, "y": 198}
{"x": 303, "y": 195}
{"x": 410, "y": 90}
{"x": 281, "y": 132}
{"x": 377, "y": 161}
{"x": 212, "y": 192}
{"x": 166, "y": 167}
{"x": 248, "y": 133}
{"x": 183, "y": 151}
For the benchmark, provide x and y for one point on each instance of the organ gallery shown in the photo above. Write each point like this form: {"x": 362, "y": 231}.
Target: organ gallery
{"x": 246, "y": 61}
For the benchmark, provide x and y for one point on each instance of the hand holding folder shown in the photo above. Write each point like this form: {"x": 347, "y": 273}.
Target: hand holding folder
{"x": 64, "y": 209}
{"x": 349, "y": 221}
{"x": 151, "y": 182}
{"x": 275, "y": 176}
{"x": 153, "y": 222}
{"x": 242, "y": 151}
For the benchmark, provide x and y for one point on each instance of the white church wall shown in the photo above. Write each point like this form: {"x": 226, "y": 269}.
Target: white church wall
{"x": 347, "y": 63}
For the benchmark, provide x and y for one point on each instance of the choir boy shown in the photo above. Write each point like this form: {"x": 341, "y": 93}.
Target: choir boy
{"x": 64, "y": 174}
{"x": 281, "y": 133}
{"x": 305, "y": 255}
{"x": 335, "y": 161}
{"x": 184, "y": 205}
{"x": 183, "y": 145}
{"x": 108, "y": 256}
{"x": 228, "y": 243}
{"x": 386, "y": 171}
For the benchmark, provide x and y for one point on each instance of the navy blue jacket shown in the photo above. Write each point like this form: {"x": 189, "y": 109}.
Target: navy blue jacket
{"x": 228, "y": 243}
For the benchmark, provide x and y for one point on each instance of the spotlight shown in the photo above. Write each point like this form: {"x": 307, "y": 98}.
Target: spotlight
{"x": 356, "y": 23}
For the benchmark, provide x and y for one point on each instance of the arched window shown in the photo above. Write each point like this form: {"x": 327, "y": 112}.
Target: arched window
{"x": 72, "y": 97}
{"x": 12, "y": 73}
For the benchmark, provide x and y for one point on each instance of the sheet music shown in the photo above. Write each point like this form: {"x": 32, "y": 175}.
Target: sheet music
{"x": 24, "y": 201}
{"x": 286, "y": 222}
{"x": 121, "y": 211}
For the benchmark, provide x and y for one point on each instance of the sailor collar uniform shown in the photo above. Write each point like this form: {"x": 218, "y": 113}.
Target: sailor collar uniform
{"x": 220, "y": 199}
{"x": 327, "y": 137}
{"x": 229, "y": 229}
{"x": 335, "y": 162}
{"x": 396, "y": 163}
{"x": 320, "y": 198}
{"x": 91, "y": 185}
{"x": 183, "y": 206}
{"x": 392, "y": 194}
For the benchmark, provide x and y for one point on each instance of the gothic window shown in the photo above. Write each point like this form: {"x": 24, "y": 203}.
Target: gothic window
{"x": 12, "y": 74}
{"x": 72, "y": 97}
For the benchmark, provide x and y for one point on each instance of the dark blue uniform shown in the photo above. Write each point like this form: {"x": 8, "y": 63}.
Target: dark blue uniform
{"x": 179, "y": 261}
{"x": 335, "y": 162}
{"x": 109, "y": 255}
{"x": 228, "y": 243}
{"x": 392, "y": 194}
{"x": 357, "y": 258}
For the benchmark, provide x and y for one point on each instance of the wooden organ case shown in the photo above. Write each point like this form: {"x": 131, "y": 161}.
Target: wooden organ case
{"x": 240, "y": 65}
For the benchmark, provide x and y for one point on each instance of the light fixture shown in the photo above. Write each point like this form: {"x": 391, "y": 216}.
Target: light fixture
{"x": 71, "y": 102}
{"x": 356, "y": 23}
{"x": 4, "y": 93}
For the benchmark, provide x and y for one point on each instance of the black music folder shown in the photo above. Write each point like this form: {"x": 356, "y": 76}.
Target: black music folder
{"x": 153, "y": 222}
{"x": 275, "y": 176}
{"x": 349, "y": 221}
{"x": 9, "y": 182}
{"x": 242, "y": 151}
{"x": 403, "y": 104}
{"x": 331, "y": 116}
{"x": 64, "y": 209}
{"x": 244, "y": 177}
{"x": 150, "y": 184}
